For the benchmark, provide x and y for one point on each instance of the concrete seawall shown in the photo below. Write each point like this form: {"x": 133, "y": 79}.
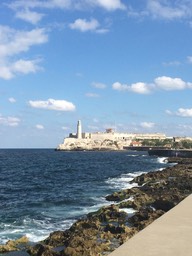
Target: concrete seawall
{"x": 170, "y": 235}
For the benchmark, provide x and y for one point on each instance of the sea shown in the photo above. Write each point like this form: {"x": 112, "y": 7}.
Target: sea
{"x": 43, "y": 190}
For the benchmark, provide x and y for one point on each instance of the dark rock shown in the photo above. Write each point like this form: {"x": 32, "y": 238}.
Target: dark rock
{"x": 57, "y": 238}
{"x": 164, "y": 205}
{"x": 114, "y": 229}
{"x": 144, "y": 217}
{"x": 41, "y": 250}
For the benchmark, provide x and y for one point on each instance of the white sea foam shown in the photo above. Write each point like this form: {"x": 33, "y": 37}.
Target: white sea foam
{"x": 123, "y": 182}
{"x": 162, "y": 160}
{"x": 101, "y": 202}
{"x": 35, "y": 238}
{"x": 36, "y": 230}
{"x": 129, "y": 211}
{"x": 161, "y": 169}
{"x": 133, "y": 155}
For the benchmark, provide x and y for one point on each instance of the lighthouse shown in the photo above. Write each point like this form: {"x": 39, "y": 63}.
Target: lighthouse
{"x": 79, "y": 130}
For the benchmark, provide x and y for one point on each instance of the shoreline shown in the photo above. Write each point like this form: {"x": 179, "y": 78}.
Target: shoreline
{"x": 101, "y": 232}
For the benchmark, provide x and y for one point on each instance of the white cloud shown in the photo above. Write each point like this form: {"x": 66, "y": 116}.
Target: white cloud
{"x": 184, "y": 112}
{"x": 25, "y": 66}
{"x": 6, "y": 72}
{"x": 164, "y": 83}
{"x": 102, "y": 31}
{"x": 172, "y": 63}
{"x": 9, "y": 121}
{"x": 19, "y": 67}
{"x": 109, "y": 5}
{"x": 99, "y": 85}
{"x": 164, "y": 10}
{"x": 83, "y": 25}
{"x": 120, "y": 87}
{"x": 12, "y": 100}
{"x": 39, "y": 126}
{"x": 51, "y": 104}
{"x": 168, "y": 112}
{"x": 14, "y": 42}
{"x": 31, "y": 4}
{"x": 161, "y": 9}
{"x": 169, "y": 84}
{"x": 29, "y": 16}
{"x": 189, "y": 58}
{"x": 139, "y": 87}
{"x": 147, "y": 125}
{"x": 168, "y": 9}
{"x": 92, "y": 95}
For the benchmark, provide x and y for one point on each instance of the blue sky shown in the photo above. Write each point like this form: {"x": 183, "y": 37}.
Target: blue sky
{"x": 124, "y": 64}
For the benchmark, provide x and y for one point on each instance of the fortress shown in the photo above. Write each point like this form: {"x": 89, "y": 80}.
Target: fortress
{"x": 108, "y": 140}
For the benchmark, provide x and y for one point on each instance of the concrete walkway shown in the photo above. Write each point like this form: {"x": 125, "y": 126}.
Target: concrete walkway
{"x": 169, "y": 235}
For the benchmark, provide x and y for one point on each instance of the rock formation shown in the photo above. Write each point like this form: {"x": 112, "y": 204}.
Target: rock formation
{"x": 88, "y": 144}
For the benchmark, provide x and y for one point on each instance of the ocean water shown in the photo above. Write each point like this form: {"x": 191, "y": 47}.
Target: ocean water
{"x": 42, "y": 190}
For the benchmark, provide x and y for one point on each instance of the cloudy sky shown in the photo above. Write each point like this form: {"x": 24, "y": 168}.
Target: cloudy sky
{"x": 123, "y": 64}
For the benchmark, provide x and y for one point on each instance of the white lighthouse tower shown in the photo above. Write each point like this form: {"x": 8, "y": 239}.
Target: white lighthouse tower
{"x": 79, "y": 130}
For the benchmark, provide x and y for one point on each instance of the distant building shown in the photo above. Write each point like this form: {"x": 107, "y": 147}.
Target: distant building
{"x": 136, "y": 144}
{"x": 109, "y": 139}
{"x": 112, "y": 135}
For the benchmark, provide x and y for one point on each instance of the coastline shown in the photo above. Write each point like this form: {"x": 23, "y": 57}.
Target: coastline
{"x": 101, "y": 232}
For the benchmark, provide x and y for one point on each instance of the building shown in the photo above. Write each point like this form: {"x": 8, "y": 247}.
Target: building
{"x": 112, "y": 135}
{"x": 104, "y": 140}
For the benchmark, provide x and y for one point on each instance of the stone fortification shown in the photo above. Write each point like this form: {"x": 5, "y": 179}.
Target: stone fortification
{"x": 109, "y": 140}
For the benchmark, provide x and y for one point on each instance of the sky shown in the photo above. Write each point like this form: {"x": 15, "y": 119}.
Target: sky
{"x": 121, "y": 64}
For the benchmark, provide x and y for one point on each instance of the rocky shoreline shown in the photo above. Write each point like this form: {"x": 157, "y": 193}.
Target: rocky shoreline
{"x": 101, "y": 232}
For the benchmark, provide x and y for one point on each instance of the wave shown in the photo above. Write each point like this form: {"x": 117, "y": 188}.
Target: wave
{"x": 35, "y": 229}
{"x": 123, "y": 182}
{"x": 162, "y": 160}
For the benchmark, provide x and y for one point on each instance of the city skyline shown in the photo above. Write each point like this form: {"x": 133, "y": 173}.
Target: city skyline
{"x": 109, "y": 63}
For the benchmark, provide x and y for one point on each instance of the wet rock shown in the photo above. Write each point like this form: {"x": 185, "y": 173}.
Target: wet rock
{"x": 162, "y": 204}
{"x": 144, "y": 217}
{"x": 57, "y": 238}
{"x": 114, "y": 229}
{"x": 108, "y": 214}
{"x": 122, "y": 195}
{"x": 14, "y": 245}
{"x": 41, "y": 250}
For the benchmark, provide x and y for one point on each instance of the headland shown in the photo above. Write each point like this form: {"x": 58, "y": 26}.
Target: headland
{"x": 111, "y": 140}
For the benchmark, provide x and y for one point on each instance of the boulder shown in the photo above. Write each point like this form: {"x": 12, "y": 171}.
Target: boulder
{"x": 42, "y": 250}
{"x": 14, "y": 245}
